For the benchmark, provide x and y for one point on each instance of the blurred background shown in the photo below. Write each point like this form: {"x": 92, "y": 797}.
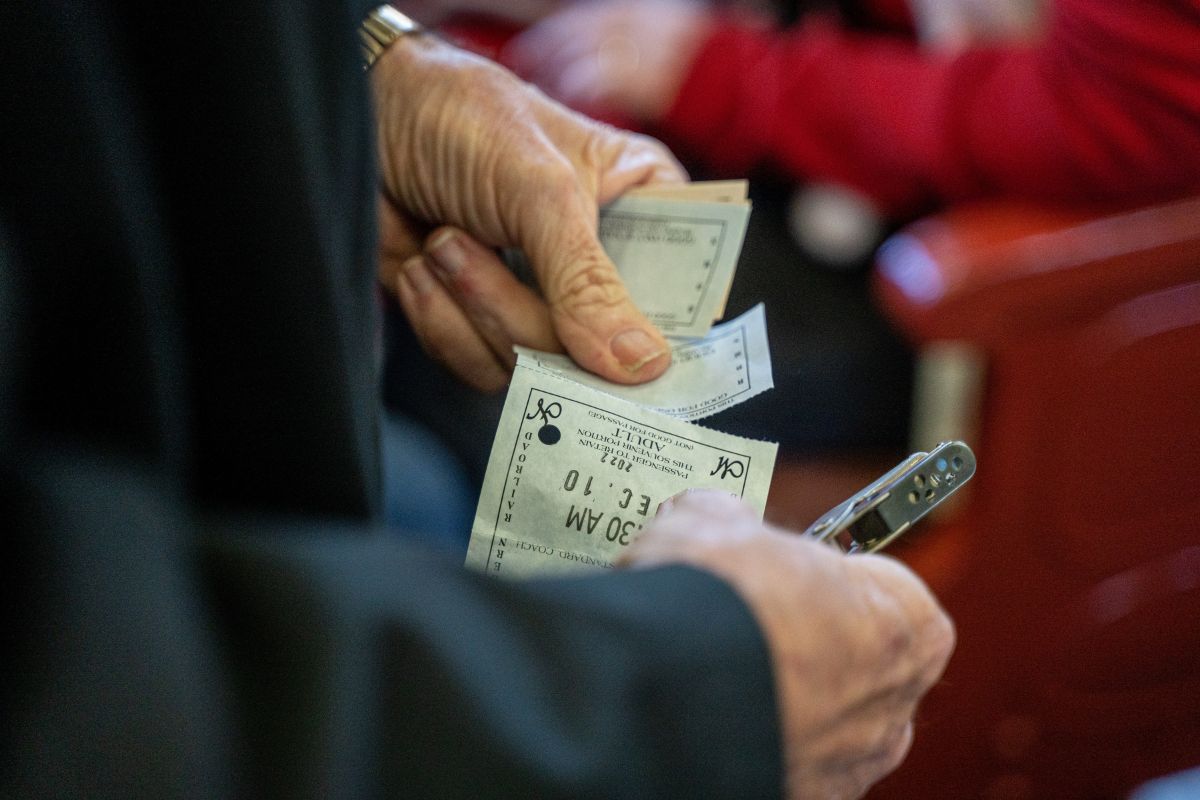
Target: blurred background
{"x": 1056, "y": 331}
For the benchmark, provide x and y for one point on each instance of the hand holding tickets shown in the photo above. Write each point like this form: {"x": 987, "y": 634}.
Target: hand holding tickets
{"x": 579, "y": 463}
{"x": 489, "y": 162}
{"x": 676, "y": 247}
{"x": 575, "y": 473}
{"x": 727, "y": 367}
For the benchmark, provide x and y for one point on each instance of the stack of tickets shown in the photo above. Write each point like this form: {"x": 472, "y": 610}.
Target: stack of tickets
{"x": 677, "y": 248}
{"x": 580, "y": 464}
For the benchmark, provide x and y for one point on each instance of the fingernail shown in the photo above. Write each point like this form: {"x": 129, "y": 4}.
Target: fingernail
{"x": 447, "y": 252}
{"x": 414, "y": 273}
{"x": 634, "y": 348}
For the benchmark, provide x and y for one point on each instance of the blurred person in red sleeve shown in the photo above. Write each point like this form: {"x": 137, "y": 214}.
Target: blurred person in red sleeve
{"x": 1076, "y": 101}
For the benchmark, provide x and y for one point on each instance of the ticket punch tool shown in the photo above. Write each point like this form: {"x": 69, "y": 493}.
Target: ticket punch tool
{"x": 877, "y": 515}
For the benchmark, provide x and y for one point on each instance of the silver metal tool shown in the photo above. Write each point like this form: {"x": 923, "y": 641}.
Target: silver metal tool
{"x": 875, "y": 516}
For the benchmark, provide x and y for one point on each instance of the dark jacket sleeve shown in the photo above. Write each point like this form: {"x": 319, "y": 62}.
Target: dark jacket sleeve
{"x": 359, "y": 661}
{"x": 289, "y": 659}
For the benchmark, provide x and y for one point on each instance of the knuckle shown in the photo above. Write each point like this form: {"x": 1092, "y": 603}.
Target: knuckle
{"x": 942, "y": 639}
{"x": 896, "y": 635}
{"x": 909, "y": 620}
{"x": 650, "y": 144}
{"x": 559, "y": 181}
{"x": 538, "y": 163}
{"x": 897, "y": 743}
{"x": 540, "y": 178}
{"x": 591, "y": 286}
{"x": 874, "y": 751}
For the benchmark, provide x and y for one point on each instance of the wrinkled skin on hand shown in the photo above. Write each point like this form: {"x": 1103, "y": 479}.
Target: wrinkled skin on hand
{"x": 472, "y": 158}
{"x": 624, "y": 56}
{"x": 855, "y": 641}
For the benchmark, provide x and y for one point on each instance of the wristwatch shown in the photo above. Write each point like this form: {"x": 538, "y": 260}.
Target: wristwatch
{"x": 381, "y": 28}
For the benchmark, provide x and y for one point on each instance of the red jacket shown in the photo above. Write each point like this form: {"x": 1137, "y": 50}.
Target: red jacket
{"x": 1105, "y": 107}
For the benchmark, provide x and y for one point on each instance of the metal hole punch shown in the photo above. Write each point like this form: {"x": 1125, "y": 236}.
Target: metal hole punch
{"x": 875, "y": 516}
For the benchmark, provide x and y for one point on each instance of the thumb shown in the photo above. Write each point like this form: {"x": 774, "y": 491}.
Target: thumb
{"x": 590, "y": 308}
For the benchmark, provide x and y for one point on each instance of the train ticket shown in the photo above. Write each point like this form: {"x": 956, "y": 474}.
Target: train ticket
{"x": 575, "y": 473}
{"x": 677, "y": 257}
{"x": 728, "y": 366}
{"x": 734, "y": 191}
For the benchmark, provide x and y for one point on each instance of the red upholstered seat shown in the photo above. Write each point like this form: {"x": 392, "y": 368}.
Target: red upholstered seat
{"x": 1072, "y": 568}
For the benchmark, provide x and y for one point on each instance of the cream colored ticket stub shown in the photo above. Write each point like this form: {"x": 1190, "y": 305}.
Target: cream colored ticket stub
{"x": 575, "y": 474}
{"x": 677, "y": 257}
{"x": 725, "y": 368}
{"x": 735, "y": 191}
{"x": 728, "y": 191}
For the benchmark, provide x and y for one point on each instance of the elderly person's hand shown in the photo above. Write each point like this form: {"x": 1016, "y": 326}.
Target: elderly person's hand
{"x": 954, "y": 25}
{"x": 465, "y": 145}
{"x": 624, "y": 56}
{"x": 855, "y": 640}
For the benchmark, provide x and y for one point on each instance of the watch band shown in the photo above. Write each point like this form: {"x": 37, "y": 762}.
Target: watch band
{"x": 382, "y": 27}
